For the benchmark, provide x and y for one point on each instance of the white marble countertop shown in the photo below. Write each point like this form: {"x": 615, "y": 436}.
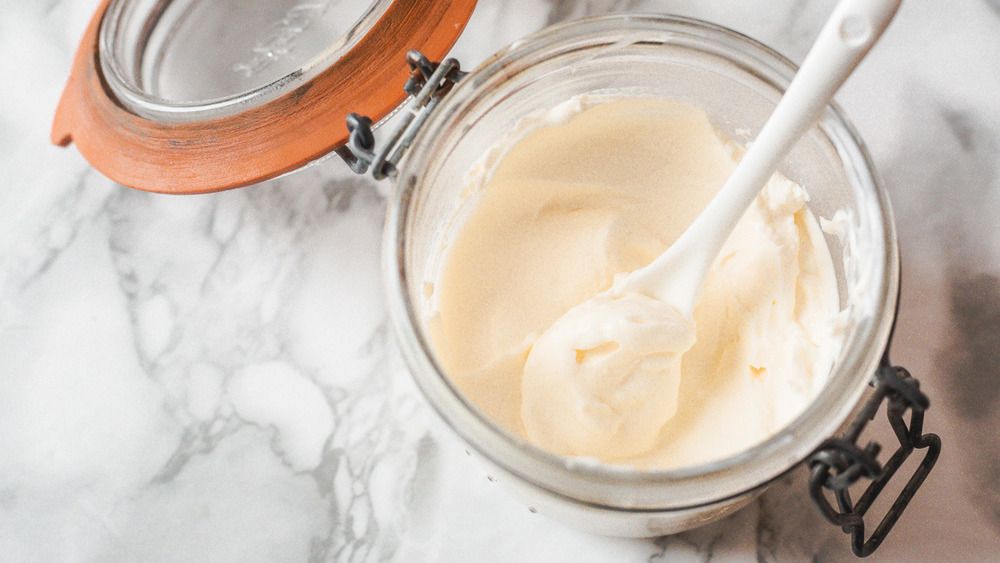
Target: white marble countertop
{"x": 211, "y": 378}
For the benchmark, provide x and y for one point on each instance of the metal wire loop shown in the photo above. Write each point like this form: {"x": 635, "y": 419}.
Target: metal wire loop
{"x": 839, "y": 463}
{"x": 427, "y": 84}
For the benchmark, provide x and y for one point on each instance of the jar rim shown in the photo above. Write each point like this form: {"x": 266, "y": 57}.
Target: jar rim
{"x": 561, "y": 475}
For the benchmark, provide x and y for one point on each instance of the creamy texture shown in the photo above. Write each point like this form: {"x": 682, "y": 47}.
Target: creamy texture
{"x": 603, "y": 379}
{"x": 600, "y": 194}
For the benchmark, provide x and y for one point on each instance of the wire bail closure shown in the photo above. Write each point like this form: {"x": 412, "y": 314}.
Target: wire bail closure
{"x": 428, "y": 83}
{"x": 839, "y": 463}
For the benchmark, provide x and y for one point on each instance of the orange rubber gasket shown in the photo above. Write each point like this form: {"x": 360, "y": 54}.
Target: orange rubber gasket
{"x": 262, "y": 142}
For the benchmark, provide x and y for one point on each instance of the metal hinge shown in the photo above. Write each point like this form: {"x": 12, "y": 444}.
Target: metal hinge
{"x": 427, "y": 84}
{"x": 839, "y": 462}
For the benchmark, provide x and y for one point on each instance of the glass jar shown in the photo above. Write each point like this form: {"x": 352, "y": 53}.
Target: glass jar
{"x": 738, "y": 82}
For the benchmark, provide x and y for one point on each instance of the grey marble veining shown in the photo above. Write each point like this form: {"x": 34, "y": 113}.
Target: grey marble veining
{"x": 213, "y": 378}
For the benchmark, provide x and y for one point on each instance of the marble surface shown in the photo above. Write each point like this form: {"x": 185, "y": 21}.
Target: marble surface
{"x": 212, "y": 378}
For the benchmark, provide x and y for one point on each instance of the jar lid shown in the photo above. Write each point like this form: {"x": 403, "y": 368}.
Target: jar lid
{"x": 190, "y": 96}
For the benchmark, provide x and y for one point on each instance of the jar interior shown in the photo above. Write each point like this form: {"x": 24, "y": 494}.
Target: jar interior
{"x": 738, "y": 86}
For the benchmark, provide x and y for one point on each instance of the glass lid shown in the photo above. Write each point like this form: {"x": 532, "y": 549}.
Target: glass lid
{"x": 187, "y": 60}
{"x": 190, "y": 96}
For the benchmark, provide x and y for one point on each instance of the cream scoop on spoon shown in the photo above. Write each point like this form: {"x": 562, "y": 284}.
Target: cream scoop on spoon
{"x": 604, "y": 378}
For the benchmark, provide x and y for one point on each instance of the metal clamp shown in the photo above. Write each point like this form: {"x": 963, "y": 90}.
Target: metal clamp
{"x": 428, "y": 83}
{"x": 839, "y": 462}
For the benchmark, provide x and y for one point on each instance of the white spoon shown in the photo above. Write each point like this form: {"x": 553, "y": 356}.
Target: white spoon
{"x": 639, "y": 328}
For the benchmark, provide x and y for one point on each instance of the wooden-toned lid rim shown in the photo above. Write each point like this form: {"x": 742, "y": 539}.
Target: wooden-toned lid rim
{"x": 264, "y": 141}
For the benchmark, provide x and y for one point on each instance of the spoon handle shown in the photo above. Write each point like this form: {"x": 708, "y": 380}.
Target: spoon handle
{"x": 849, "y": 33}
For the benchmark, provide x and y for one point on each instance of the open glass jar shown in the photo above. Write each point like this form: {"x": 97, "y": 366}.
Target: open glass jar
{"x": 734, "y": 79}
{"x": 738, "y": 82}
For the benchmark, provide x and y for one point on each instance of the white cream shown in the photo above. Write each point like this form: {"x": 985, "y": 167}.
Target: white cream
{"x": 582, "y": 199}
{"x": 605, "y": 391}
